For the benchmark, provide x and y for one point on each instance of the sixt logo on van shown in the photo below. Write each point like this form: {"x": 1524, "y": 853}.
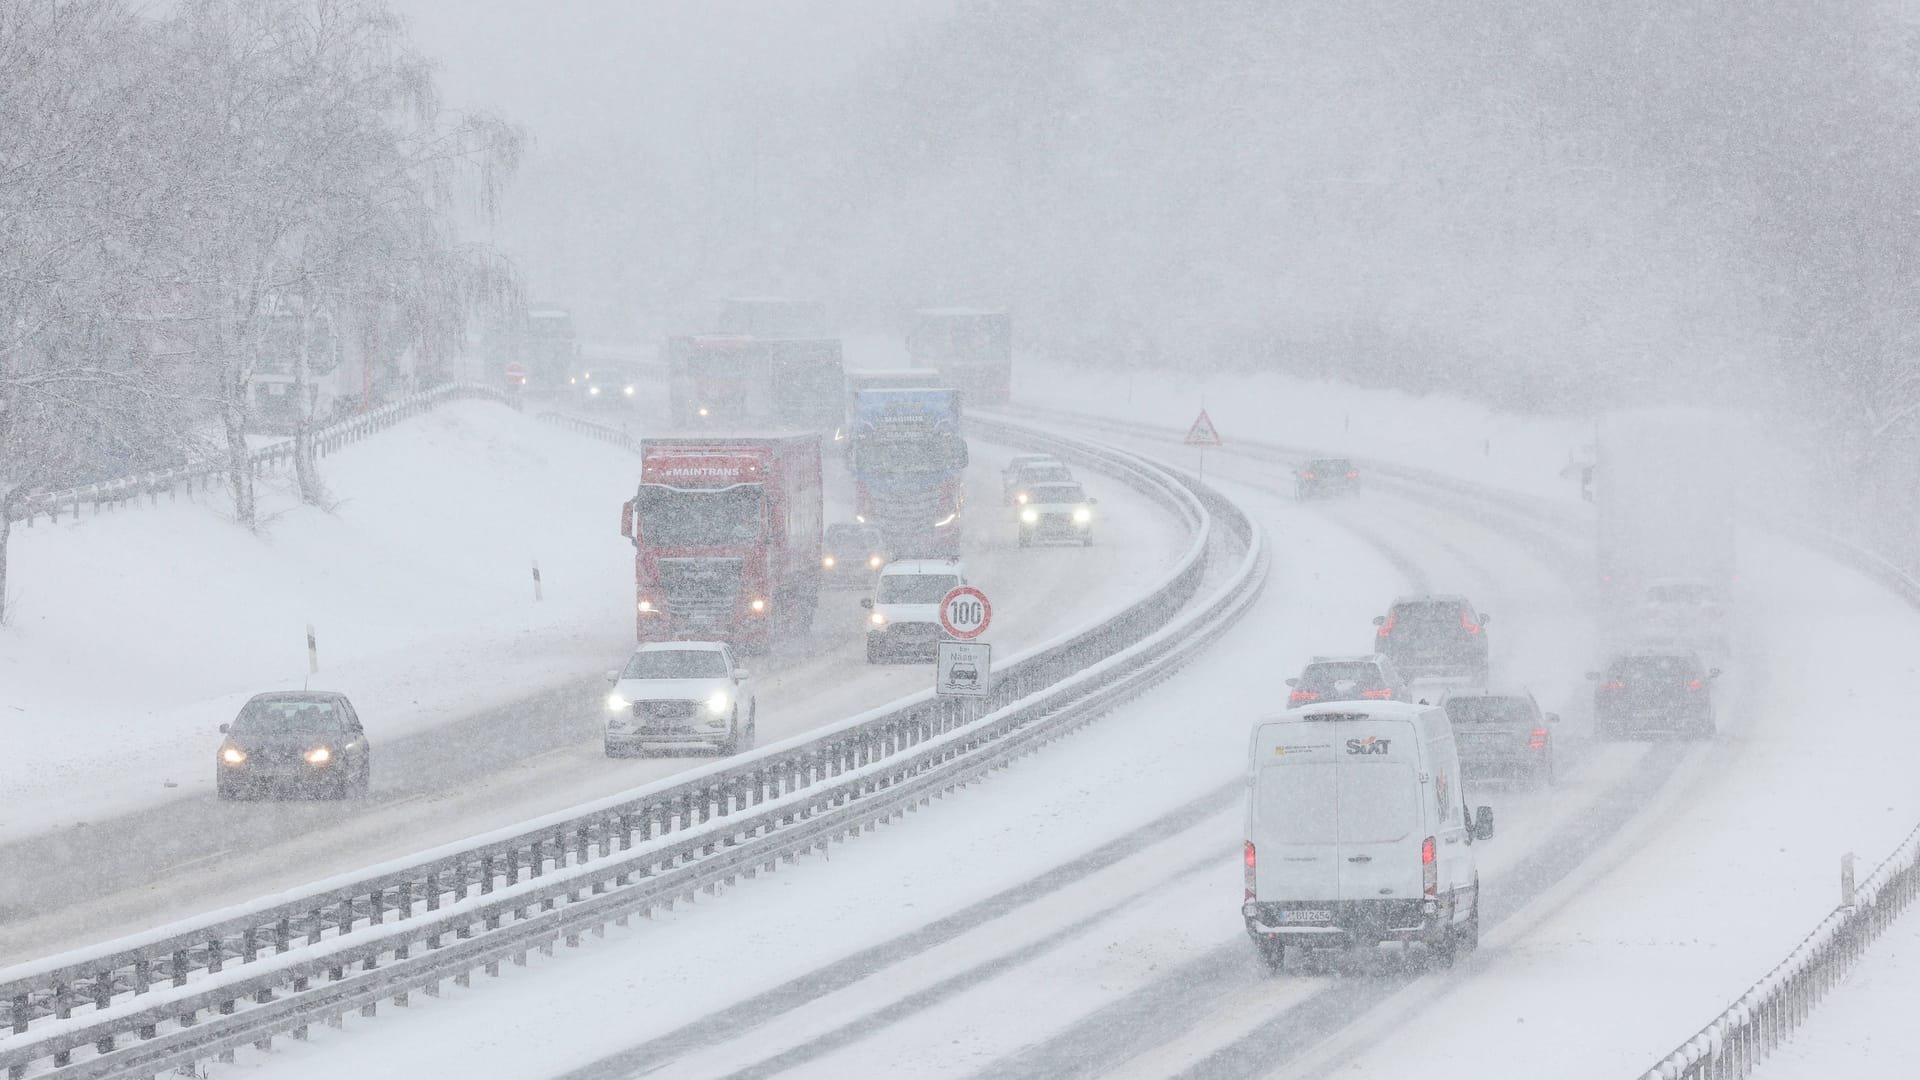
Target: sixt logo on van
{"x": 1368, "y": 745}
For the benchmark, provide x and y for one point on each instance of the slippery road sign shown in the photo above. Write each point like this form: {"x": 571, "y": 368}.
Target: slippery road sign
{"x": 965, "y": 613}
{"x": 1202, "y": 433}
{"x": 962, "y": 668}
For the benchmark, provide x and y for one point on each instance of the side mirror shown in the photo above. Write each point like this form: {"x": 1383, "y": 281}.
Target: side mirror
{"x": 1483, "y": 823}
{"x": 1091, "y": 501}
{"x": 1485, "y": 618}
{"x": 867, "y": 602}
{"x": 1553, "y": 718}
{"x": 626, "y": 522}
{"x": 740, "y": 675}
{"x": 1379, "y": 620}
{"x": 1713, "y": 673}
{"x": 613, "y": 676}
{"x": 224, "y": 727}
{"x": 1290, "y": 682}
{"x": 1593, "y": 676}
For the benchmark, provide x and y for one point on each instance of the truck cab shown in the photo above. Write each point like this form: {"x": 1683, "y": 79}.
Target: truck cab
{"x": 1358, "y": 832}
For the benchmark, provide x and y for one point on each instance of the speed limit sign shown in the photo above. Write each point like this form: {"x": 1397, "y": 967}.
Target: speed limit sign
{"x": 965, "y": 613}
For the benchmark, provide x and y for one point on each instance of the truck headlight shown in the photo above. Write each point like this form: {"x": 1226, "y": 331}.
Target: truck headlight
{"x": 877, "y": 619}
{"x": 758, "y": 604}
{"x": 1082, "y": 515}
{"x": 703, "y": 411}
{"x": 874, "y": 561}
{"x": 1030, "y": 516}
{"x": 592, "y": 390}
{"x": 616, "y": 703}
{"x": 719, "y": 702}
{"x": 629, "y": 391}
{"x": 1020, "y": 497}
{"x": 827, "y": 561}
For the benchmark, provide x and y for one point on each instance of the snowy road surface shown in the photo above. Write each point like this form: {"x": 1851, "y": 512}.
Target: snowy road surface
{"x": 995, "y": 921}
{"x": 503, "y": 764}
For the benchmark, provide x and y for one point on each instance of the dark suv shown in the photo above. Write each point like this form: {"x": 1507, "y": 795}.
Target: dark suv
{"x": 1654, "y": 690}
{"x": 1325, "y": 476}
{"x": 1502, "y": 734}
{"x": 1347, "y": 678}
{"x": 1434, "y": 635}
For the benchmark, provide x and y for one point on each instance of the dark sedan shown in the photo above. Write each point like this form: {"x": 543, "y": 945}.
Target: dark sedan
{"x": 302, "y": 742}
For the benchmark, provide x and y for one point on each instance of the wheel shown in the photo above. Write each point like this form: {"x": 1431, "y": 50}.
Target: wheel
{"x": 1704, "y": 728}
{"x": 1087, "y": 540}
{"x": 753, "y": 731}
{"x": 1607, "y": 729}
{"x": 365, "y": 787}
{"x": 732, "y": 745}
{"x": 1273, "y": 954}
{"x": 224, "y": 791}
{"x": 1545, "y": 776}
{"x": 1026, "y": 538}
{"x": 873, "y": 651}
{"x": 615, "y": 750}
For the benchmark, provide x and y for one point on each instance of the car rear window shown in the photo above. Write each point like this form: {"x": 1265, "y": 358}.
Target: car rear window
{"x": 1647, "y": 669}
{"x": 1323, "y": 677}
{"x": 676, "y": 664}
{"x": 1328, "y": 466}
{"x": 287, "y": 716}
{"x": 1427, "y": 618}
{"x": 1489, "y": 710}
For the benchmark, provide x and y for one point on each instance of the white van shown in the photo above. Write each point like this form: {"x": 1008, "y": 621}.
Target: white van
{"x": 1357, "y": 831}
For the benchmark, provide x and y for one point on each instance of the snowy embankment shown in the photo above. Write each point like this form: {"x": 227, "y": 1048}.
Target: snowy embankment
{"x": 135, "y": 633}
{"x": 1864, "y": 1029}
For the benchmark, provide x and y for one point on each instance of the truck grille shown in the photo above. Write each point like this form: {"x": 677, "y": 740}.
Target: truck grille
{"x": 702, "y": 589}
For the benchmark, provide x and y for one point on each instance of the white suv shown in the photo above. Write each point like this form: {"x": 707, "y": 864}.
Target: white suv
{"x": 904, "y": 611}
{"x": 680, "y": 693}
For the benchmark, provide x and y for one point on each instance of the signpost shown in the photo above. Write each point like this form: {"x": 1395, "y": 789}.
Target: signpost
{"x": 1203, "y": 434}
{"x": 962, "y": 669}
{"x": 965, "y": 613}
{"x": 963, "y": 665}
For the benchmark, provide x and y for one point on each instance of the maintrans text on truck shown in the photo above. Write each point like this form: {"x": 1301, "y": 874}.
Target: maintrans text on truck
{"x": 726, "y": 537}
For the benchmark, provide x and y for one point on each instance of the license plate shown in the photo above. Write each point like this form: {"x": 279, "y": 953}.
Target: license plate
{"x": 1306, "y": 916}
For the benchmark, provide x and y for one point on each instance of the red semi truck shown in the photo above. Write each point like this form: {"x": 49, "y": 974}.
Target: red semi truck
{"x": 726, "y": 537}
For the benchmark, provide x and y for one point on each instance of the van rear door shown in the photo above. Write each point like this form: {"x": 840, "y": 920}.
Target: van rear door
{"x": 1294, "y": 826}
{"x": 1380, "y": 835}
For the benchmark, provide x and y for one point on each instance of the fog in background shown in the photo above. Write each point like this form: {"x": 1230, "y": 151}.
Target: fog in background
{"x": 1559, "y": 207}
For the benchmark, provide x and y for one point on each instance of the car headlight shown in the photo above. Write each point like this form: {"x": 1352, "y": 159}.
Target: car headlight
{"x": 758, "y": 604}
{"x": 591, "y": 390}
{"x": 616, "y": 703}
{"x": 1020, "y": 497}
{"x": 1082, "y": 515}
{"x": 719, "y": 702}
{"x": 573, "y": 381}
{"x": 703, "y": 410}
{"x": 233, "y": 755}
{"x": 320, "y": 755}
{"x": 827, "y": 561}
{"x": 629, "y": 391}
{"x": 877, "y": 619}
{"x": 874, "y": 561}
{"x": 1030, "y": 515}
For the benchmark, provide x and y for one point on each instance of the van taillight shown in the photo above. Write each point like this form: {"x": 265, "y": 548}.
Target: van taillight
{"x": 1429, "y": 873}
{"x": 1387, "y": 627}
{"x": 1249, "y": 869}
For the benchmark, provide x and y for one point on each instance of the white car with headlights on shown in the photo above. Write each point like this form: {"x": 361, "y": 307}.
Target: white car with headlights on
{"x": 680, "y": 694}
{"x": 903, "y": 614}
{"x": 1057, "y": 511}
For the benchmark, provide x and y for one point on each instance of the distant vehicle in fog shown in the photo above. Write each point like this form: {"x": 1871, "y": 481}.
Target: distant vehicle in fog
{"x": 1685, "y": 611}
{"x": 1434, "y": 635}
{"x": 680, "y": 693}
{"x": 903, "y": 620}
{"x": 851, "y": 555}
{"x": 1347, "y": 678}
{"x": 1017, "y": 484}
{"x": 1060, "y": 511}
{"x": 298, "y": 741}
{"x": 1652, "y": 691}
{"x": 1502, "y": 734}
{"x": 1325, "y": 477}
{"x": 606, "y": 386}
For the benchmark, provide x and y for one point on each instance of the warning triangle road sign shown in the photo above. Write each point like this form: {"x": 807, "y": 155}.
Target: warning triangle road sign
{"x": 1202, "y": 432}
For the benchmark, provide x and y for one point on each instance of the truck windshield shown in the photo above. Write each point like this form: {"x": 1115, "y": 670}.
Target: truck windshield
{"x": 916, "y": 588}
{"x": 906, "y": 454}
{"x": 675, "y": 517}
{"x": 676, "y": 664}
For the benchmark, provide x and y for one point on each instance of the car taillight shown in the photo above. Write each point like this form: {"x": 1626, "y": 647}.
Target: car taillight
{"x": 1429, "y": 873}
{"x": 1304, "y": 695}
{"x": 1249, "y": 869}
{"x": 1539, "y": 740}
{"x": 1377, "y": 695}
{"x": 1353, "y": 474}
{"x": 1308, "y": 476}
{"x": 1467, "y": 623}
{"x": 1696, "y": 685}
{"x": 1387, "y": 627}
{"x": 1615, "y": 685}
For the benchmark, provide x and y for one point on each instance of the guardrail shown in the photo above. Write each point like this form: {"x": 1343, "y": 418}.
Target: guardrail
{"x": 200, "y": 988}
{"x": 202, "y": 476}
{"x": 1736, "y": 1041}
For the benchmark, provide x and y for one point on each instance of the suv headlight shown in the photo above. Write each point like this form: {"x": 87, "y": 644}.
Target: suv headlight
{"x": 616, "y": 703}
{"x": 877, "y": 619}
{"x": 233, "y": 755}
{"x": 1030, "y": 515}
{"x": 719, "y": 702}
{"x": 1082, "y": 515}
{"x": 320, "y": 755}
